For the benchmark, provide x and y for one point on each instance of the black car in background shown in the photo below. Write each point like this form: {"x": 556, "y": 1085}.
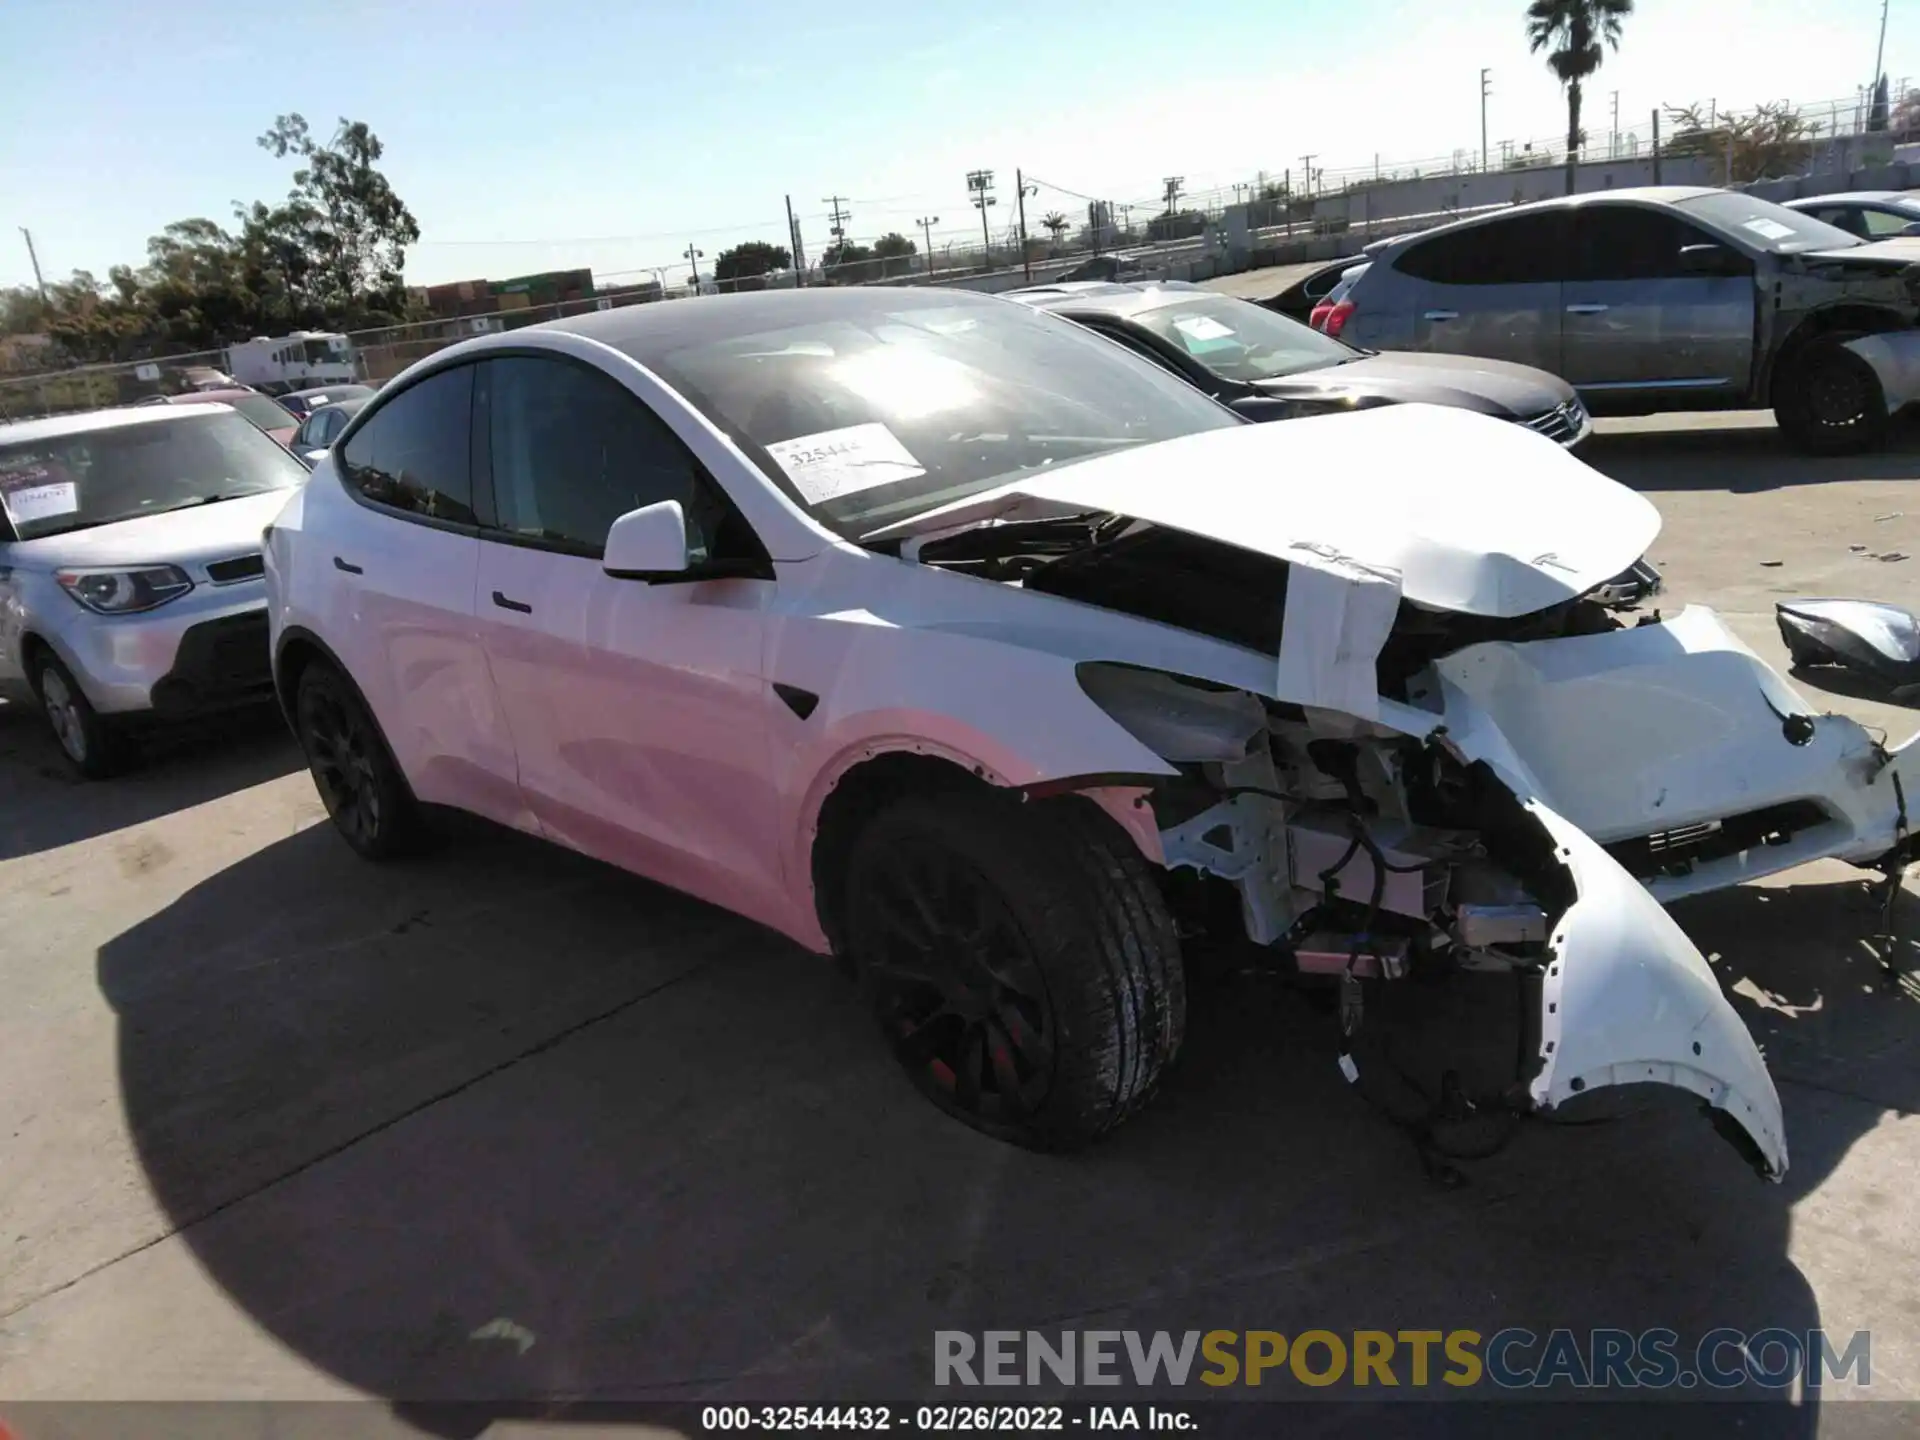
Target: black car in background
{"x": 1269, "y": 367}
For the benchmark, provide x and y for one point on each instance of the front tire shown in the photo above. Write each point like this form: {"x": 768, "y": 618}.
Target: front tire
{"x": 1830, "y": 401}
{"x": 1020, "y": 960}
{"x": 366, "y": 796}
{"x": 92, "y": 746}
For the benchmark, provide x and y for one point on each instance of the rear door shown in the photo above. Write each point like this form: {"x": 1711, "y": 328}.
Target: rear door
{"x": 1639, "y": 326}
{"x": 405, "y": 558}
{"x": 1491, "y": 289}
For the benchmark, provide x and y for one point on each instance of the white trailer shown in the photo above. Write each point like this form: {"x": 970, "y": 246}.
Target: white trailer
{"x": 294, "y": 362}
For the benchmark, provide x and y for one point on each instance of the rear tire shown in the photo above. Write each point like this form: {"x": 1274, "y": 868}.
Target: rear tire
{"x": 366, "y": 796}
{"x": 93, "y": 747}
{"x": 1020, "y": 959}
{"x": 1830, "y": 401}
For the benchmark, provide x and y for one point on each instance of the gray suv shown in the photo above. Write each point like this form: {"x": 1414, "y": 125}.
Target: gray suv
{"x": 1664, "y": 298}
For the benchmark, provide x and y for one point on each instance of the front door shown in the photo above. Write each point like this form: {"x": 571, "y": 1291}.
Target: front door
{"x": 637, "y": 710}
{"x": 1637, "y": 326}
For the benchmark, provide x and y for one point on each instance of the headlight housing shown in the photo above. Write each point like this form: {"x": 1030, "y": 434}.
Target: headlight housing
{"x": 124, "y": 591}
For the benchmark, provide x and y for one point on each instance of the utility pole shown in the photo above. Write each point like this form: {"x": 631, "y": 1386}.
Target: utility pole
{"x": 1613, "y": 143}
{"x": 1485, "y": 90}
{"x": 1020, "y": 193}
{"x": 1306, "y": 174}
{"x": 693, "y": 259}
{"x": 1880, "y": 52}
{"x": 839, "y": 216}
{"x": 793, "y": 244}
{"x": 1656, "y": 144}
{"x": 980, "y": 187}
{"x": 926, "y": 224}
{"x": 1170, "y": 188}
{"x": 37, "y": 279}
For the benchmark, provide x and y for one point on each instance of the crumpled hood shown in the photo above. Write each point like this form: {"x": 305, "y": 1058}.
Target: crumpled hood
{"x": 1473, "y": 514}
{"x": 191, "y": 536}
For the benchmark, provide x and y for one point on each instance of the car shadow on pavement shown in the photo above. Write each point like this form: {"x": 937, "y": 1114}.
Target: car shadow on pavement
{"x": 502, "y": 1125}
{"x": 1739, "y": 460}
{"x": 177, "y": 768}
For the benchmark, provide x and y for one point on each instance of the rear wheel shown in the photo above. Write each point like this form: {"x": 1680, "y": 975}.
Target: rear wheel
{"x": 363, "y": 790}
{"x": 1829, "y": 401}
{"x": 1020, "y": 961}
{"x": 89, "y": 741}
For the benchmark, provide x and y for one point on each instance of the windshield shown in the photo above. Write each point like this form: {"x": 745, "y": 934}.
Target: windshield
{"x": 1240, "y": 341}
{"x": 71, "y": 482}
{"x": 1765, "y": 225}
{"x": 265, "y": 413}
{"x": 871, "y": 416}
{"x": 322, "y": 352}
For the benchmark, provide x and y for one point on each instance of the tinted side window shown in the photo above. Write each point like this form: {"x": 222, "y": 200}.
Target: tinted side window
{"x": 573, "y": 450}
{"x": 1625, "y": 242}
{"x": 414, "y": 454}
{"x": 1879, "y": 224}
{"x": 1526, "y": 250}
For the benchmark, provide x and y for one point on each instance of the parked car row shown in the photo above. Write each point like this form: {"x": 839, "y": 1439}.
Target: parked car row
{"x": 993, "y": 655}
{"x": 1664, "y": 298}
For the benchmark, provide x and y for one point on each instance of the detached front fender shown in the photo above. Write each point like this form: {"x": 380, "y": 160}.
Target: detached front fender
{"x": 1628, "y": 999}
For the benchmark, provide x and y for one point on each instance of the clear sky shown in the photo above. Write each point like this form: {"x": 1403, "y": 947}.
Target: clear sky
{"x": 532, "y": 136}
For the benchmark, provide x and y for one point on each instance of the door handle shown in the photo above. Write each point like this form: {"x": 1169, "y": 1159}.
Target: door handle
{"x": 505, "y": 604}
{"x": 1443, "y": 315}
{"x": 1586, "y": 309}
{"x": 340, "y": 564}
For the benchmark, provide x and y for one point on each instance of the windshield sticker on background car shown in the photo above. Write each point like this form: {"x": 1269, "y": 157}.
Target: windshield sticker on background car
{"x": 842, "y": 462}
{"x": 1768, "y": 229}
{"x": 1202, "y": 327}
{"x": 28, "y": 503}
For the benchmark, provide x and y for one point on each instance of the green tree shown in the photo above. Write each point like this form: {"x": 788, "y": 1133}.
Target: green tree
{"x": 1576, "y": 34}
{"x": 846, "y": 263}
{"x": 749, "y": 260}
{"x": 350, "y": 229}
{"x": 1055, "y": 225}
{"x": 895, "y": 253}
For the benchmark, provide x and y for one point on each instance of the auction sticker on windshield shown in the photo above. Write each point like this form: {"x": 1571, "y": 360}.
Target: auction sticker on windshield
{"x": 1202, "y": 327}
{"x": 33, "y": 492}
{"x": 843, "y": 462}
{"x": 1768, "y": 229}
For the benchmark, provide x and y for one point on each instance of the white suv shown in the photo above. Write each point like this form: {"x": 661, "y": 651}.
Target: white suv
{"x": 130, "y": 569}
{"x": 933, "y": 632}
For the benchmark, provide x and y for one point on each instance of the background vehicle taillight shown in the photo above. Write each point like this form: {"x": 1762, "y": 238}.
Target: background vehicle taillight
{"x": 1330, "y": 317}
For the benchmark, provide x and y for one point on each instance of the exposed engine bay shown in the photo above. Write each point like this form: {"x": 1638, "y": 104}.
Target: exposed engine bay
{"x": 1363, "y": 847}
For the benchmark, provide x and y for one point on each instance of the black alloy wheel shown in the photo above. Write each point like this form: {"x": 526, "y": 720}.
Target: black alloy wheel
{"x": 1831, "y": 401}
{"x": 1020, "y": 960}
{"x": 954, "y": 985}
{"x": 358, "y": 783}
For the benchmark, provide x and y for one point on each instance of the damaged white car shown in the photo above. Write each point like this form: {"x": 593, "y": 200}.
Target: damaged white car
{"x": 950, "y": 639}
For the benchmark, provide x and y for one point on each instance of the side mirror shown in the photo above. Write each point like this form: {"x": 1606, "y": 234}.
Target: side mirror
{"x": 1913, "y": 229}
{"x": 648, "y": 544}
{"x": 1709, "y": 259}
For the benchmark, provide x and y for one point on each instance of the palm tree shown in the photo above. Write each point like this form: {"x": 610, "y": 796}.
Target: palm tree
{"x": 1576, "y": 35}
{"x": 1055, "y": 225}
